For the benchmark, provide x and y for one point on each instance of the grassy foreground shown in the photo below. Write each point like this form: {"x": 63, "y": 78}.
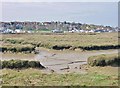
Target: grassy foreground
{"x": 95, "y": 76}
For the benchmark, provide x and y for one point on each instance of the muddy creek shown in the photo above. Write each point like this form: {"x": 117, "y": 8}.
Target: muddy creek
{"x": 58, "y": 60}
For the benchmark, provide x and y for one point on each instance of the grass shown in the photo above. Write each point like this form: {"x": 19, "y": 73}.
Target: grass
{"x": 49, "y": 40}
{"x": 34, "y": 77}
{"x": 67, "y": 39}
{"x": 19, "y": 64}
{"x": 104, "y": 60}
{"x": 15, "y": 48}
{"x": 95, "y": 76}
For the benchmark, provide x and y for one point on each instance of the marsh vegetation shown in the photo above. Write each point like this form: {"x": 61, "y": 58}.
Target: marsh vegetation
{"x": 14, "y": 72}
{"x": 29, "y": 42}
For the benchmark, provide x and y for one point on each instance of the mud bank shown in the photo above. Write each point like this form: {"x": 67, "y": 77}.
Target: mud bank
{"x": 59, "y": 61}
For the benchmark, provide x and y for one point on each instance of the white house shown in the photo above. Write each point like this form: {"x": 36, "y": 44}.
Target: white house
{"x": 8, "y": 31}
{"x": 57, "y": 31}
{"x": 82, "y": 31}
{"x": 91, "y": 31}
{"x": 18, "y": 31}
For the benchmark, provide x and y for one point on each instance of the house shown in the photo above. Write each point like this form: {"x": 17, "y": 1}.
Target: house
{"x": 73, "y": 30}
{"x": 57, "y": 31}
{"x": 8, "y": 31}
{"x": 82, "y": 30}
{"x": 30, "y": 31}
{"x": 19, "y": 31}
{"x": 91, "y": 31}
{"x": 99, "y": 31}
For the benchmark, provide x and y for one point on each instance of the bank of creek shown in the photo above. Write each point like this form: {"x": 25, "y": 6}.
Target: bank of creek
{"x": 59, "y": 61}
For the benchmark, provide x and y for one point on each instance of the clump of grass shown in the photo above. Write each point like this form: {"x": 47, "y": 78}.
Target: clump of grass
{"x": 104, "y": 60}
{"x": 19, "y": 64}
{"x": 14, "y": 41}
{"x": 100, "y": 47}
{"x": 15, "y": 48}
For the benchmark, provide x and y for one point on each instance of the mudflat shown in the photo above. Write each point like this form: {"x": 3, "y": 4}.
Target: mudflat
{"x": 59, "y": 61}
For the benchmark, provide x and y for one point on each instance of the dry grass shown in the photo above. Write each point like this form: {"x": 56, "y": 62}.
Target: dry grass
{"x": 66, "y": 39}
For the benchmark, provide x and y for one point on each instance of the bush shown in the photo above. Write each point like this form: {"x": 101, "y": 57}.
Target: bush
{"x": 104, "y": 60}
{"x": 21, "y": 64}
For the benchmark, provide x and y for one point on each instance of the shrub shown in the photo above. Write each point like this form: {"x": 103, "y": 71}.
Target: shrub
{"x": 104, "y": 60}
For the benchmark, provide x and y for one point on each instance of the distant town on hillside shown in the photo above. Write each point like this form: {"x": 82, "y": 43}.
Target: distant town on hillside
{"x": 55, "y": 27}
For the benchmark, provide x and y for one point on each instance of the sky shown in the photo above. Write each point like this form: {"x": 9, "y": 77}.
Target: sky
{"x": 59, "y": 0}
{"x": 100, "y": 13}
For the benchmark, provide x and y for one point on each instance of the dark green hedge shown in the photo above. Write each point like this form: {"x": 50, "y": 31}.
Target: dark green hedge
{"x": 19, "y": 64}
{"x": 104, "y": 60}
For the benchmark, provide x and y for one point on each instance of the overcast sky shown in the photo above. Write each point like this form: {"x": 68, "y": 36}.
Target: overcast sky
{"x": 104, "y": 13}
{"x": 59, "y": 0}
